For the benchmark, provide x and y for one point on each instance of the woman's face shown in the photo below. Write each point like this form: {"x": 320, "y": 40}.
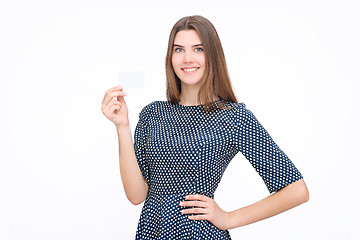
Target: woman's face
{"x": 188, "y": 59}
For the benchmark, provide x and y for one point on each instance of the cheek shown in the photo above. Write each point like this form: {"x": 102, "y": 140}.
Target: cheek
{"x": 175, "y": 60}
{"x": 175, "y": 65}
{"x": 203, "y": 61}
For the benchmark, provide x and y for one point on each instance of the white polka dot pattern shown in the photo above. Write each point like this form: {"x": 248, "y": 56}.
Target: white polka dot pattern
{"x": 182, "y": 150}
{"x": 255, "y": 143}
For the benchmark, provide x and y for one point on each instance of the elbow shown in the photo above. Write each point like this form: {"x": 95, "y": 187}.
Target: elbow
{"x": 137, "y": 196}
{"x": 135, "y": 200}
{"x": 303, "y": 196}
{"x": 298, "y": 192}
{"x": 306, "y": 196}
{"x": 303, "y": 192}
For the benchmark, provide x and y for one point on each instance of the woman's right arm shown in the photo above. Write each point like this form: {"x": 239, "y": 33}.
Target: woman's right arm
{"x": 134, "y": 184}
{"x": 115, "y": 109}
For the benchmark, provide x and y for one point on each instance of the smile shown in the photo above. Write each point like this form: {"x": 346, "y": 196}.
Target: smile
{"x": 190, "y": 69}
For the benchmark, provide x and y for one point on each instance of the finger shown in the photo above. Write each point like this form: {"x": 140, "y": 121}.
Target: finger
{"x": 114, "y": 108}
{"x": 194, "y": 210}
{"x": 116, "y": 88}
{"x": 121, "y": 98}
{"x": 198, "y": 217}
{"x": 109, "y": 96}
{"x": 110, "y": 104}
{"x": 194, "y": 203}
{"x": 113, "y": 94}
{"x": 197, "y": 197}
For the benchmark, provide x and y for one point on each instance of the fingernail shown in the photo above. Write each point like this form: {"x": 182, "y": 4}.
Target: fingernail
{"x": 181, "y": 204}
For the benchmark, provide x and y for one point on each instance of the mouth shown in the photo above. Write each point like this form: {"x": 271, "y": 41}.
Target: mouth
{"x": 193, "y": 69}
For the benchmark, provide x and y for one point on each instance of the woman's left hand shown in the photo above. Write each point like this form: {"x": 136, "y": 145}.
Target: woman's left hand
{"x": 208, "y": 210}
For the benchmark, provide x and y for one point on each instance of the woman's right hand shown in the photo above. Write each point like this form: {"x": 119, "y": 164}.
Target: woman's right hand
{"x": 115, "y": 109}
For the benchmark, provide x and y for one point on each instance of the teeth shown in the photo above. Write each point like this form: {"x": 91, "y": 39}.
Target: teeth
{"x": 190, "y": 69}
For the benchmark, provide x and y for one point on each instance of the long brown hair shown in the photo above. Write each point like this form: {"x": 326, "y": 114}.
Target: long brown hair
{"x": 216, "y": 80}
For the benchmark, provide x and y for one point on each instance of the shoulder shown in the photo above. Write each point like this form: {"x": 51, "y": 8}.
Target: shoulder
{"x": 244, "y": 117}
{"x": 241, "y": 110}
{"x": 153, "y": 106}
{"x": 234, "y": 109}
{"x": 151, "y": 109}
{"x": 236, "y": 106}
{"x": 146, "y": 110}
{"x": 239, "y": 114}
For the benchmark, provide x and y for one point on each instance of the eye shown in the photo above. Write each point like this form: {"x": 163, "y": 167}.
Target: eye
{"x": 178, "y": 50}
{"x": 198, "y": 49}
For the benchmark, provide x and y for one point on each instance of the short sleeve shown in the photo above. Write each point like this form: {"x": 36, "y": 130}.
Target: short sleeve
{"x": 140, "y": 139}
{"x": 255, "y": 143}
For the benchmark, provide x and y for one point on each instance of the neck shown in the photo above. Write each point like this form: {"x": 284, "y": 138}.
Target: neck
{"x": 189, "y": 95}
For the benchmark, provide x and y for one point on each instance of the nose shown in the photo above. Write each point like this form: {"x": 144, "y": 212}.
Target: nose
{"x": 188, "y": 57}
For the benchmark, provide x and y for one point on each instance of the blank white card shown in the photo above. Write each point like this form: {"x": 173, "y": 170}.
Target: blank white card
{"x": 131, "y": 79}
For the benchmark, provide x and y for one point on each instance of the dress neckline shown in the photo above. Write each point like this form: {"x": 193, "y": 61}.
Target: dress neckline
{"x": 197, "y": 106}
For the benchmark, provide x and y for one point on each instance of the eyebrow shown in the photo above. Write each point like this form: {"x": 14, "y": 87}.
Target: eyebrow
{"x": 196, "y": 45}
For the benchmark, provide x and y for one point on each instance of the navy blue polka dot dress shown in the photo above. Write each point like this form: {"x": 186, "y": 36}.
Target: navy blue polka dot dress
{"x": 183, "y": 150}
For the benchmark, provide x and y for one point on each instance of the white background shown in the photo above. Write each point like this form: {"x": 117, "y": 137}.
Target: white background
{"x": 294, "y": 63}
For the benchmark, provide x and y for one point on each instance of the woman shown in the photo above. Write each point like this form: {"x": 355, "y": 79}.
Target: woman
{"x": 182, "y": 146}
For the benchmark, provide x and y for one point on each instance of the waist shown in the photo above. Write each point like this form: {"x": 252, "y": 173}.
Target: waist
{"x": 178, "y": 194}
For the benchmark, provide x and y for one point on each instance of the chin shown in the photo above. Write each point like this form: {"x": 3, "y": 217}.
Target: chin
{"x": 191, "y": 82}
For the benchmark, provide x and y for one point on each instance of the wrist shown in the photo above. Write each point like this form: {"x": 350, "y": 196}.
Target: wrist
{"x": 122, "y": 126}
{"x": 234, "y": 219}
{"x": 230, "y": 220}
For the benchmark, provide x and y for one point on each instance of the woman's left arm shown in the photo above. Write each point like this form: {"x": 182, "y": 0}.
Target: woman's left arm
{"x": 286, "y": 198}
{"x": 278, "y": 172}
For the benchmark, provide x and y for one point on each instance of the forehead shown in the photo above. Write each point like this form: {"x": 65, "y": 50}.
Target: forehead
{"x": 187, "y": 38}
